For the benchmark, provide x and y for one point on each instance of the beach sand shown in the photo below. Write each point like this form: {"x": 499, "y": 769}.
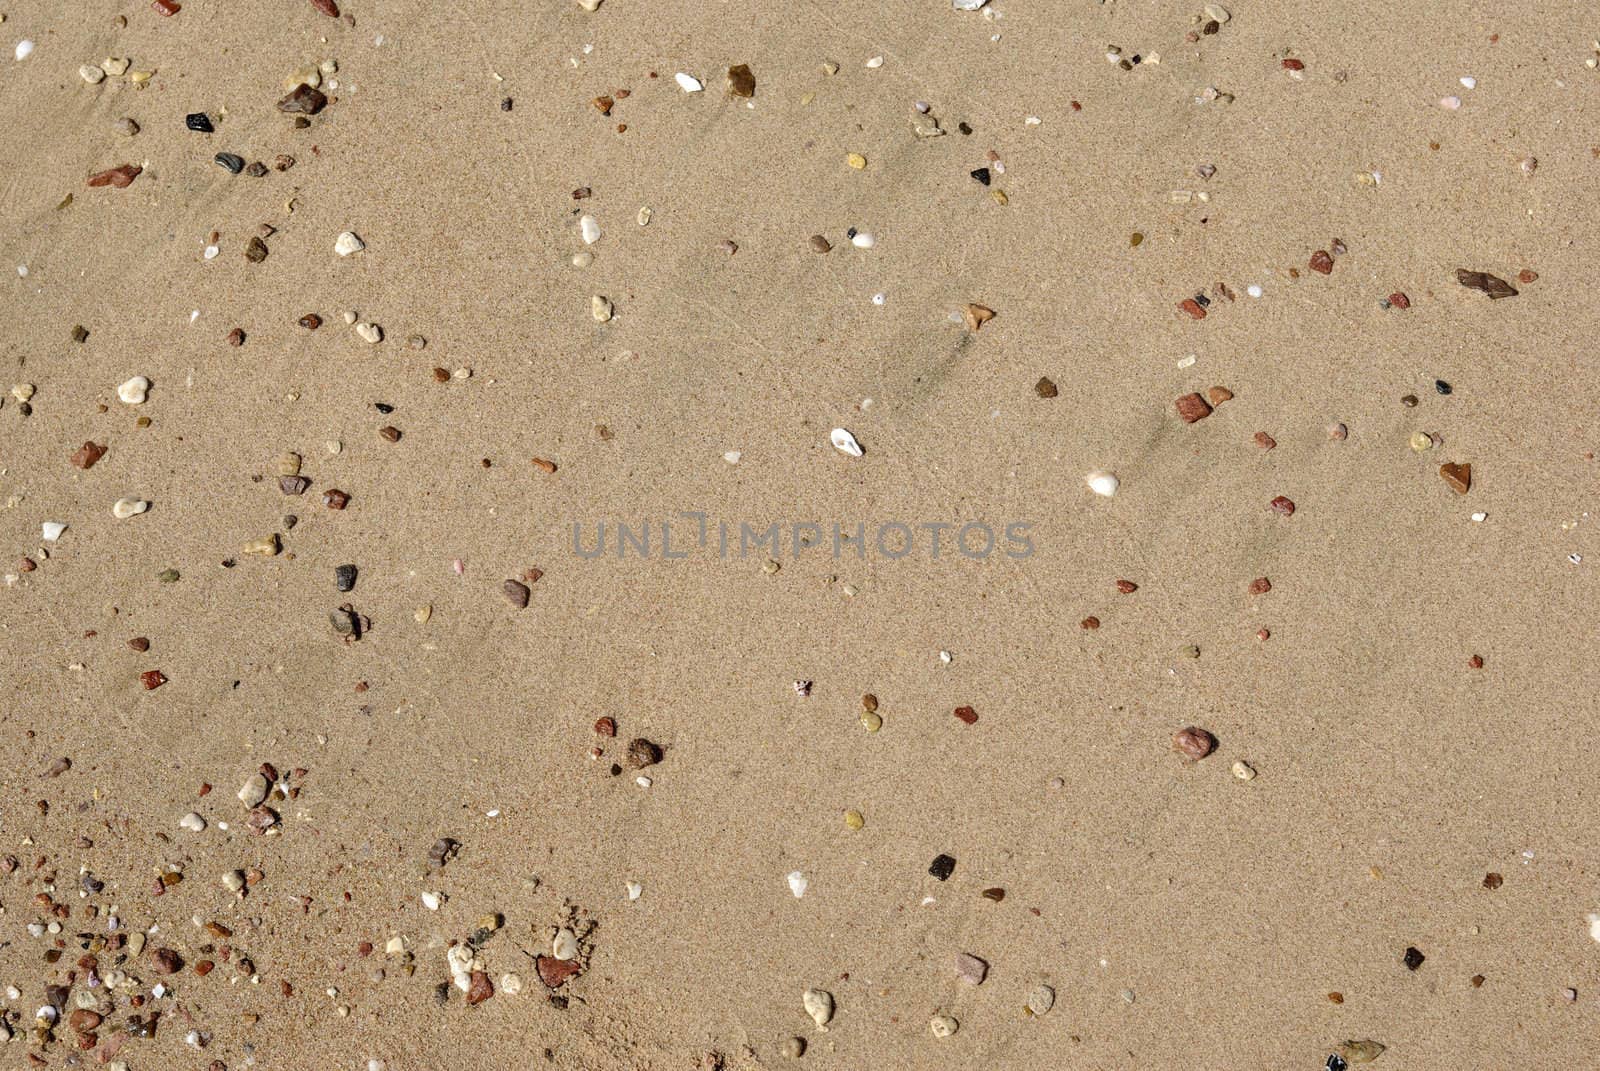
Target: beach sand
{"x": 1416, "y": 726}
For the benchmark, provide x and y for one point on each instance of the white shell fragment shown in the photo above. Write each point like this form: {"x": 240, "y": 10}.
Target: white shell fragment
{"x": 819, "y": 1005}
{"x": 564, "y": 945}
{"x": 1102, "y": 483}
{"x": 688, "y": 82}
{"x": 863, "y": 240}
{"x": 633, "y": 889}
{"x": 348, "y": 242}
{"x": 124, "y": 508}
{"x": 845, "y": 443}
{"x": 798, "y": 883}
{"x": 1041, "y": 1000}
{"x": 24, "y": 49}
{"x": 967, "y": 5}
{"x": 589, "y": 228}
{"x": 1594, "y": 926}
{"x": 193, "y": 822}
{"x": 134, "y": 391}
{"x": 600, "y": 308}
{"x": 50, "y": 531}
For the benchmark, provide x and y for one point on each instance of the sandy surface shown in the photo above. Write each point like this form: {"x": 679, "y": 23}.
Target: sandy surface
{"x": 1183, "y": 916}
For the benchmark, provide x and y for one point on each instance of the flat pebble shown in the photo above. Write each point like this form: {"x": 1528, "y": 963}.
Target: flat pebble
{"x": 1041, "y": 999}
{"x": 818, "y": 1004}
{"x": 124, "y": 508}
{"x": 134, "y": 391}
{"x": 347, "y": 243}
{"x": 943, "y": 1026}
{"x": 688, "y": 82}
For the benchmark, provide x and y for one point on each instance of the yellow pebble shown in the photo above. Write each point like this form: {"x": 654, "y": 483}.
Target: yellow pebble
{"x": 807, "y": 98}
{"x": 1421, "y": 441}
{"x": 856, "y": 160}
{"x": 853, "y": 819}
{"x": 871, "y": 722}
{"x": 1000, "y": 197}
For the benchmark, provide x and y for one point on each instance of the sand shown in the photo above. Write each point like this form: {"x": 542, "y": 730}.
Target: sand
{"x": 1182, "y": 915}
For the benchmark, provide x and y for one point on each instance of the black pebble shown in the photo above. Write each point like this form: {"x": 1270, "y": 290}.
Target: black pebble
{"x": 943, "y": 866}
{"x": 199, "y": 122}
{"x": 964, "y": 128}
{"x": 1442, "y": 387}
{"x": 1335, "y": 1061}
{"x": 505, "y": 104}
{"x": 234, "y": 164}
{"x": 344, "y": 577}
{"x": 1413, "y": 959}
{"x": 982, "y": 175}
{"x": 383, "y": 407}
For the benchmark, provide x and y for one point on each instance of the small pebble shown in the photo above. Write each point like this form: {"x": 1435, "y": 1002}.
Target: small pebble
{"x": 943, "y": 1026}
{"x": 134, "y": 391}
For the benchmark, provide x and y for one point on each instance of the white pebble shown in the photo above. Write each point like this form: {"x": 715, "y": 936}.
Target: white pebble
{"x": 633, "y": 889}
{"x": 370, "y": 332}
{"x": 642, "y": 781}
{"x": 192, "y": 822}
{"x": 688, "y": 82}
{"x": 91, "y": 74}
{"x": 51, "y": 531}
{"x": 819, "y": 1005}
{"x": 510, "y": 984}
{"x": 211, "y": 252}
{"x": 1480, "y": 517}
{"x": 1103, "y": 483}
{"x": 134, "y": 391}
{"x": 879, "y": 298}
{"x": 864, "y": 240}
{"x": 348, "y": 242}
{"x": 1469, "y": 81}
{"x": 845, "y": 443}
{"x": 24, "y": 49}
{"x": 600, "y": 308}
{"x": 874, "y": 63}
{"x": 732, "y": 457}
{"x": 1253, "y": 290}
{"x": 123, "y": 508}
{"x": 967, "y": 5}
{"x": 430, "y": 901}
{"x": 589, "y": 227}
{"x": 943, "y": 1025}
{"x": 798, "y": 883}
{"x": 1449, "y": 104}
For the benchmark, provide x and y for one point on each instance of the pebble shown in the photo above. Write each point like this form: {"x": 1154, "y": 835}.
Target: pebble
{"x": 1491, "y": 285}
{"x": 818, "y": 1004}
{"x": 798, "y": 883}
{"x": 516, "y": 593}
{"x": 863, "y": 240}
{"x": 344, "y": 577}
{"x": 124, "y": 508}
{"x": 564, "y": 945}
{"x": 1195, "y": 742}
{"x": 24, "y": 50}
{"x": 643, "y": 753}
{"x": 134, "y": 391}
{"x": 230, "y": 162}
{"x": 347, "y": 243}
{"x": 942, "y": 867}
{"x": 600, "y": 308}
{"x": 50, "y": 531}
{"x": 854, "y": 820}
{"x": 303, "y": 100}
{"x": 943, "y": 1026}
{"x": 91, "y": 74}
{"x": 819, "y": 244}
{"x": 793, "y": 1048}
{"x": 1457, "y": 476}
{"x": 1244, "y": 771}
{"x": 1041, "y": 999}
{"x": 369, "y": 332}
{"x": 589, "y": 229}
{"x": 741, "y": 83}
{"x": 845, "y": 443}
{"x": 193, "y": 822}
{"x": 1102, "y": 483}
{"x": 199, "y": 122}
{"x": 971, "y": 969}
{"x": 688, "y": 82}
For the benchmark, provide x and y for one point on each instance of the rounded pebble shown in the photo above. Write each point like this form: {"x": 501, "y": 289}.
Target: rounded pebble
{"x": 943, "y": 1025}
{"x": 134, "y": 391}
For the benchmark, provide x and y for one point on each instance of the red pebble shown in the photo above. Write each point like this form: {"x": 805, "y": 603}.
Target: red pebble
{"x": 119, "y": 177}
{"x": 1321, "y": 262}
{"x": 1193, "y": 308}
{"x": 1476, "y": 661}
{"x": 1265, "y": 441}
{"x": 1282, "y": 505}
{"x": 967, "y": 715}
{"x": 1260, "y": 586}
{"x": 165, "y": 8}
{"x": 327, "y": 7}
{"x": 1399, "y": 300}
{"x": 555, "y": 972}
{"x": 1292, "y": 64}
{"x": 1262, "y": 635}
{"x": 1127, "y": 587}
{"x": 606, "y": 726}
{"x": 1090, "y": 623}
{"x": 153, "y": 679}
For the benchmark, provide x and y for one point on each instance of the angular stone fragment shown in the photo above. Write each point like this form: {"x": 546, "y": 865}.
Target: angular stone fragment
{"x": 1192, "y": 407}
{"x": 1492, "y": 285}
{"x": 303, "y": 100}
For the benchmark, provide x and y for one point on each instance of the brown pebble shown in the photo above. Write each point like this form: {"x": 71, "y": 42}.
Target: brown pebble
{"x": 1218, "y": 395}
{"x": 1336, "y": 998}
{"x": 1458, "y": 476}
{"x": 546, "y": 467}
{"x": 152, "y": 679}
{"x": 1527, "y": 275}
{"x": 819, "y": 244}
{"x": 1321, "y": 262}
{"x": 975, "y": 316}
{"x": 282, "y": 162}
{"x": 310, "y": 321}
{"x": 303, "y": 100}
{"x": 1492, "y": 881}
{"x": 1192, "y": 407}
{"x": 1399, "y": 300}
{"x": 741, "y": 83}
{"x": 1282, "y": 505}
{"x": 606, "y": 726}
{"x": 87, "y": 454}
{"x": 603, "y": 104}
{"x": 1265, "y": 441}
{"x": 1127, "y": 587}
{"x": 166, "y": 961}
{"x": 1194, "y": 742}
{"x": 1193, "y": 308}
{"x": 966, "y": 715}
{"x": 555, "y": 973}
{"x": 996, "y": 894}
{"x": 256, "y": 251}
{"x": 1089, "y": 623}
{"x": 479, "y": 988}
{"x": 294, "y": 485}
{"x": 642, "y": 753}
{"x": 1260, "y": 586}
{"x": 236, "y": 337}
{"x": 389, "y": 433}
{"x": 1292, "y": 64}
{"x": 335, "y": 499}
{"x": 1045, "y": 388}
{"x": 140, "y": 644}
{"x": 83, "y": 1019}
{"x": 117, "y": 177}
{"x": 516, "y": 593}
{"x": 204, "y": 967}
{"x": 1492, "y": 285}
{"x": 27, "y": 565}
{"x": 441, "y": 375}
{"x": 1476, "y": 662}
{"x": 1338, "y": 432}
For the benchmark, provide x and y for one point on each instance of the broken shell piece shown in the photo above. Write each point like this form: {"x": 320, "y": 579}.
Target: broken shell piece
{"x": 976, "y": 316}
{"x": 124, "y": 508}
{"x": 600, "y": 308}
{"x": 1103, "y": 484}
{"x": 348, "y": 242}
{"x": 798, "y": 883}
{"x": 134, "y": 391}
{"x": 845, "y": 443}
{"x": 819, "y": 1005}
{"x": 688, "y": 82}
{"x": 589, "y": 228}
{"x": 564, "y": 945}
{"x": 50, "y": 531}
